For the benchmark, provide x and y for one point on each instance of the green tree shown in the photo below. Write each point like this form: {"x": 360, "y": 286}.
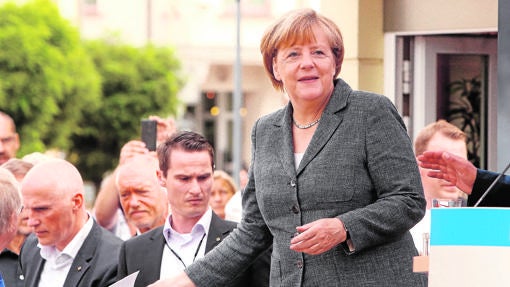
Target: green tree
{"x": 136, "y": 83}
{"x": 46, "y": 78}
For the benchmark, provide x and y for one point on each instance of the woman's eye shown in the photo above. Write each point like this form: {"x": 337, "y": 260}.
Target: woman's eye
{"x": 292, "y": 54}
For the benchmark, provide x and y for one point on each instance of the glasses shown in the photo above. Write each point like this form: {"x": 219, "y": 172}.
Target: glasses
{"x": 20, "y": 209}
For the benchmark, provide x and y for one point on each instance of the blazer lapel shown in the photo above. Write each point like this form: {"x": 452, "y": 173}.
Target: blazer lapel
{"x": 330, "y": 120}
{"x": 283, "y": 133}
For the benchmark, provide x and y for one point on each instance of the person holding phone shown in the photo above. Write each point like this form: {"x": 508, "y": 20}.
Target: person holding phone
{"x": 107, "y": 208}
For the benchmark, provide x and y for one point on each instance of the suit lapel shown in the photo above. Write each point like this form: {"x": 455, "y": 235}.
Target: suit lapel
{"x": 218, "y": 230}
{"x": 153, "y": 254}
{"x": 38, "y": 263}
{"x": 82, "y": 261}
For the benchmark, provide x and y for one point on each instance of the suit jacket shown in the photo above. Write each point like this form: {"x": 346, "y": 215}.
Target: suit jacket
{"x": 145, "y": 252}
{"x": 95, "y": 264}
{"x": 499, "y": 196}
{"x": 359, "y": 167}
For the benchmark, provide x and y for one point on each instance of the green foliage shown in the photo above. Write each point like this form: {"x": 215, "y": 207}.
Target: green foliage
{"x": 136, "y": 83}
{"x": 85, "y": 99}
{"x": 46, "y": 78}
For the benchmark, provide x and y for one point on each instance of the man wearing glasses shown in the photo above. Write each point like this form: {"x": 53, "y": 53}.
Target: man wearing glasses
{"x": 9, "y": 139}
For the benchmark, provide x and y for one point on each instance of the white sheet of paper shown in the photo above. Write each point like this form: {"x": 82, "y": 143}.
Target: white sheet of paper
{"x": 128, "y": 281}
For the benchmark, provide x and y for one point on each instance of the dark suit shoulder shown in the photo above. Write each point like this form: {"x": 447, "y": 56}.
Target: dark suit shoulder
{"x": 149, "y": 235}
{"x": 29, "y": 247}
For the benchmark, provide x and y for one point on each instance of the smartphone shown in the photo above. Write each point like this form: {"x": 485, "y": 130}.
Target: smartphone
{"x": 149, "y": 133}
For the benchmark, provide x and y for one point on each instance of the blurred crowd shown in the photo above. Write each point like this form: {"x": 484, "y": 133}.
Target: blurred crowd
{"x": 61, "y": 236}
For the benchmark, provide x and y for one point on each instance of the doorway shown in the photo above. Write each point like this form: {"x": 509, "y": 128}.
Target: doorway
{"x": 454, "y": 78}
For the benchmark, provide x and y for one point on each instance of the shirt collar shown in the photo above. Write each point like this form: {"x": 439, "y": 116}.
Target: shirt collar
{"x": 201, "y": 227}
{"x": 49, "y": 252}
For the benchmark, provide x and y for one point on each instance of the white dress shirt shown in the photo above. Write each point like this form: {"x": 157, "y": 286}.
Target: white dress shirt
{"x": 186, "y": 247}
{"x": 59, "y": 262}
{"x": 418, "y": 231}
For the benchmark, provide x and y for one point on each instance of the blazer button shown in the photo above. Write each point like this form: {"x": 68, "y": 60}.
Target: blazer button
{"x": 295, "y": 209}
{"x": 292, "y": 183}
{"x": 299, "y": 264}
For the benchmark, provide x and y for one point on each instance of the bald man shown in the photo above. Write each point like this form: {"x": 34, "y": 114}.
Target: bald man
{"x": 9, "y": 139}
{"x": 68, "y": 248}
{"x": 143, "y": 200}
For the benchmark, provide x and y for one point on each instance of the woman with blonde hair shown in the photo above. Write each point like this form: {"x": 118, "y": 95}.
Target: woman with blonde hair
{"x": 222, "y": 191}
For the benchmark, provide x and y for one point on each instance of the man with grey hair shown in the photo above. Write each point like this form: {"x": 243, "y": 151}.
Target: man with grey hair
{"x": 143, "y": 200}
{"x": 10, "y": 206}
{"x": 9, "y": 256}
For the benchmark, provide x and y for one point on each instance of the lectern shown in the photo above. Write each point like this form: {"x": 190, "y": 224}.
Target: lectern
{"x": 469, "y": 246}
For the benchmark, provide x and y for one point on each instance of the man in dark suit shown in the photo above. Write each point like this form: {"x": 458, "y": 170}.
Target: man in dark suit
{"x": 186, "y": 163}
{"x": 67, "y": 248}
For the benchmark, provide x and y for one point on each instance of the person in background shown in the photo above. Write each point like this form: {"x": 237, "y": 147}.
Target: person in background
{"x": 439, "y": 135}
{"x": 67, "y": 247}
{"x": 143, "y": 200}
{"x": 333, "y": 181}
{"x": 234, "y": 207}
{"x": 9, "y": 256}
{"x": 107, "y": 208}
{"x": 9, "y": 139}
{"x": 222, "y": 191}
{"x": 10, "y": 206}
{"x": 471, "y": 180}
{"x": 186, "y": 162}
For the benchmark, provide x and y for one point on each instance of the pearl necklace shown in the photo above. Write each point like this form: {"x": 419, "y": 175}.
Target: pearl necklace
{"x": 306, "y": 126}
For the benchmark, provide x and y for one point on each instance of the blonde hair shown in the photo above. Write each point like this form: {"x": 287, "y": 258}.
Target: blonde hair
{"x": 441, "y": 126}
{"x": 296, "y": 27}
{"x": 220, "y": 174}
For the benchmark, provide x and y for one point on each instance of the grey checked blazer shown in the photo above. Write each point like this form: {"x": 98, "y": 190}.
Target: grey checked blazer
{"x": 359, "y": 167}
{"x": 95, "y": 264}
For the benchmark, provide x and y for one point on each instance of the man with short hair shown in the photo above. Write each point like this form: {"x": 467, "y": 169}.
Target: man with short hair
{"x": 186, "y": 165}
{"x": 9, "y": 139}
{"x": 141, "y": 197}
{"x": 67, "y": 247}
{"x": 440, "y": 135}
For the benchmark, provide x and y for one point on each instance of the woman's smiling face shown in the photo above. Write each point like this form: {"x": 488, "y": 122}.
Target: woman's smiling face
{"x": 306, "y": 70}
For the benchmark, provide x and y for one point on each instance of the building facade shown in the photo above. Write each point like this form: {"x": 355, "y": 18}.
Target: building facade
{"x": 435, "y": 59}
